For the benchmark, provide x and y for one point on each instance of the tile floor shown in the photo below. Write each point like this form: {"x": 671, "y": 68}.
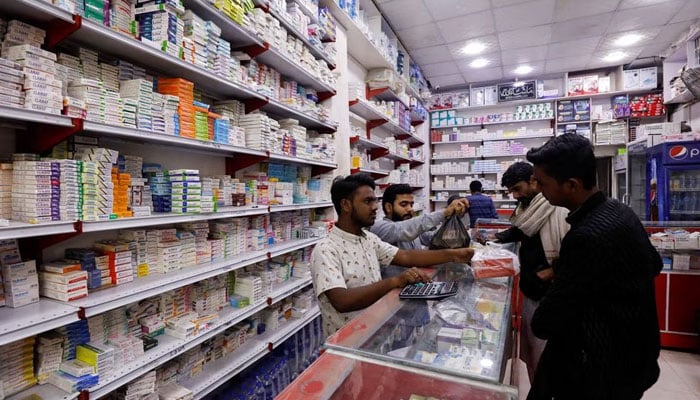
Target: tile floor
{"x": 679, "y": 380}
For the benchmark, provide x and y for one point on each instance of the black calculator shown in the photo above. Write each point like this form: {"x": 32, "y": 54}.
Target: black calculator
{"x": 429, "y": 291}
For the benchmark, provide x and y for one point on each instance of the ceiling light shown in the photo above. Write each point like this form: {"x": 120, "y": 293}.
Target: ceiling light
{"x": 615, "y": 56}
{"x": 473, "y": 48}
{"x": 479, "y": 63}
{"x": 628, "y": 40}
{"x": 523, "y": 69}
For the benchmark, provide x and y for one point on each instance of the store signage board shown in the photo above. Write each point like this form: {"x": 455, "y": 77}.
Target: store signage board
{"x": 517, "y": 91}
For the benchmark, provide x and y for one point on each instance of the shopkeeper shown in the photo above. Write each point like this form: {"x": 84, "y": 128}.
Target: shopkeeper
{"x": 345, "y": 266}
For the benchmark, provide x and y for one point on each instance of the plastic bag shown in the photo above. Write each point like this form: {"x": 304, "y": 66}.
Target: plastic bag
{"x": 451, "y": 235}
{"x": 494, "y": 261}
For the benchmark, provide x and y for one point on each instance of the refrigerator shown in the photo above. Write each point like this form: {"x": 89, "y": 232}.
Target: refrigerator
{"x": 636, "y": 177}
{"x": 673, "y": 182}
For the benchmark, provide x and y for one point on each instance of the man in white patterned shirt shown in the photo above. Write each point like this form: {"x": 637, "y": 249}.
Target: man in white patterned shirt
{"x": 345, "y": 266}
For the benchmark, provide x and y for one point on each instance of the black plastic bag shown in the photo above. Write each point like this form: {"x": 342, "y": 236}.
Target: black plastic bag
{"x": 451, "y": 235}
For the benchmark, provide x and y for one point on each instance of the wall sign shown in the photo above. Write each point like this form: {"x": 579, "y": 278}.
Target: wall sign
{"x": 517, "y": 91}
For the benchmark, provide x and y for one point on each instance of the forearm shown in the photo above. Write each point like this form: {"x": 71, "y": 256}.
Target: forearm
{"x": 403, "y": 231}
{"x": 354, "y": 299}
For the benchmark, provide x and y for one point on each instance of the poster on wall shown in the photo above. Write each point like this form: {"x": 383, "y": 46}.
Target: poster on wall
{"x": 517, "y": 91}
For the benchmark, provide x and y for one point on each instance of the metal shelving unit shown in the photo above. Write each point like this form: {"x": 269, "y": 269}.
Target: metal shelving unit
{"x": 23, "y": 322}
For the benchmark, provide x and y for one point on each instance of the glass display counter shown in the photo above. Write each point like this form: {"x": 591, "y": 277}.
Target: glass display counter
{"x": 467, "y": 336}
{"x": 342, "y": 376}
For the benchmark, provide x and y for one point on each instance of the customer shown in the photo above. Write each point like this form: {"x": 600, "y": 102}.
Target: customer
{"x": 401, "y": 229}
{"x": 599, "y": 316}
{"x": 539, "y": 227}
{"x": 480, "y": 205}
{"x": 345, "y": 265}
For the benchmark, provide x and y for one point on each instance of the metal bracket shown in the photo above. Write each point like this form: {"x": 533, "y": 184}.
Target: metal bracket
{"x": 46, "y": 137}
{"x": 255, "y": 104}
{"x": 326, "y": 95}
{"x": 241, "y": 161}
{"x": 255, "y": 50}
{"x": 59, "y": 30}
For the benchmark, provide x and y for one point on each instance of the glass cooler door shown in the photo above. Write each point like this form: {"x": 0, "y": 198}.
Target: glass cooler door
{"x": 467, "y": 335}
{"x": 684, "y": 194}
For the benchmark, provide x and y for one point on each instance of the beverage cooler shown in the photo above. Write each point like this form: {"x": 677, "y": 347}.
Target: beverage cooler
{"x": 636, "y": 178}
{"x": 673, "y": 184}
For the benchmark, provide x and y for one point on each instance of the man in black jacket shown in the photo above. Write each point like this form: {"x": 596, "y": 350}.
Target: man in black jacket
{"x": 599, "y": 317}
{"x": 540, "y": 228}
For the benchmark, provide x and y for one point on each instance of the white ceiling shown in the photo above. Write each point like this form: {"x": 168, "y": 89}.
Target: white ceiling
{"x": 551, "y": 36}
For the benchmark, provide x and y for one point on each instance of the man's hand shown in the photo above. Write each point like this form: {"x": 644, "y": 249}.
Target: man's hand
{"x": 458, "y": 207}
{"x": 410, "y": 276}
{"x": 463, "y": 255}
{"x": 546, "y": 274}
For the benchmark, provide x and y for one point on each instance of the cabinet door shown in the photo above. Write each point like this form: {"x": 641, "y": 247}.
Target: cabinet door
{"x": 661, "y": 285}
{"x": 684, "y": 302}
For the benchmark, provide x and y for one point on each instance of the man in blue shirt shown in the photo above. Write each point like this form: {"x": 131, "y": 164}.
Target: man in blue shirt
{"x": 480, "y": 205}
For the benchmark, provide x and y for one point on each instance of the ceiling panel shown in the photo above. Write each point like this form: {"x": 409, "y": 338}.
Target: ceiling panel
{"x": 447, "y": 80}
{"x": 524, "y": 15}
{"x": 490, "y": 41}
{"x": 406, "y": 13}
{"x": 446, "y": 9}
{"x": 421, "y": 36}
{"x": 625, "y": 4}
{"x": 572, "y": 9}
{"x": 644, "y": 17}
{"x": 534, "y": 36}
{"x": 648, "y": 36}
{"x": 690, "y": 11}
{"x": 483, "y": 75}
{"x": 525, "y": 54}
{"x": 553, "y": 36}
{"x": 580, "y": 27}
{"x": 573, "y": 48}
{"x": 565, "y": 64}
{"x": 439, "y": 69}
{"x": 431, "y": 54}
{"x": 537, "y": 69}
{"x": 468, "y": 26}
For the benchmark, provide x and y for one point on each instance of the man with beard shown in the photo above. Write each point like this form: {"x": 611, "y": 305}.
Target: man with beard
{"x": 539, "y": 227}
{"x": 599, "y": 316}
{"x": 401, "y": 229}
{"x": 345, "y": 265}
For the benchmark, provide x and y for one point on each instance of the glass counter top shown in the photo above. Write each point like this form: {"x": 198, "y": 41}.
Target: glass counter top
{"x": 464, "y": 335}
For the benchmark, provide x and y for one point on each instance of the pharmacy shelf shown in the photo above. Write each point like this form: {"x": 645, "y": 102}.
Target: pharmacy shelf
{"x": 239, "y": 36}
{"x": 397, "y": 157}
{"x": 609, "y": 94}
{"x": 518, "y": 138}
{"x": 153, "y": 137}
{"x": 317, "y": 51}
{"x": 451, "y": 173}
{"x": 367, "y": 143}
{"x": 459, "y": 141}
{"x": 141, "y": 288}
{"x": 46, "y": 391}
{"x": 417, "y": 119}
{"x": 302, "y": 161}
{"x": 293, "y": 207}
{"x": 450, "y": 190}
{"x": 18, "y": 230}
{"x": 307, "y": 11}
{"x": 170, "y": 347}
{"x": 171, "y": 218}
{"x": 282, "y": 110}
{"x": 374, "y": 173}
{"x": 236, "y": 34}
{"x": 520, "y": 121}
{"x": 485, "y": 156}
{"x": 359, "y": 46}
{"x": 289, "y": 68}
{"x": 30, "y": 320}
{"x": 20, "y": 114}
{"x": 100, "y": 37}
{"x": 219, "y": 372}
{"x": 34, "y": 10}
{"x": 366, "y": 110}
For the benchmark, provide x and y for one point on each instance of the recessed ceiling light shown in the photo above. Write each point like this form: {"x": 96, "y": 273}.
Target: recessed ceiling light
{"x": 523, "y": 69}
{"x": 628, "y": 40}
{"x": 473, "y": 48}
{"x": 479, "y": 63}
{"x": 615, "y": 56}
